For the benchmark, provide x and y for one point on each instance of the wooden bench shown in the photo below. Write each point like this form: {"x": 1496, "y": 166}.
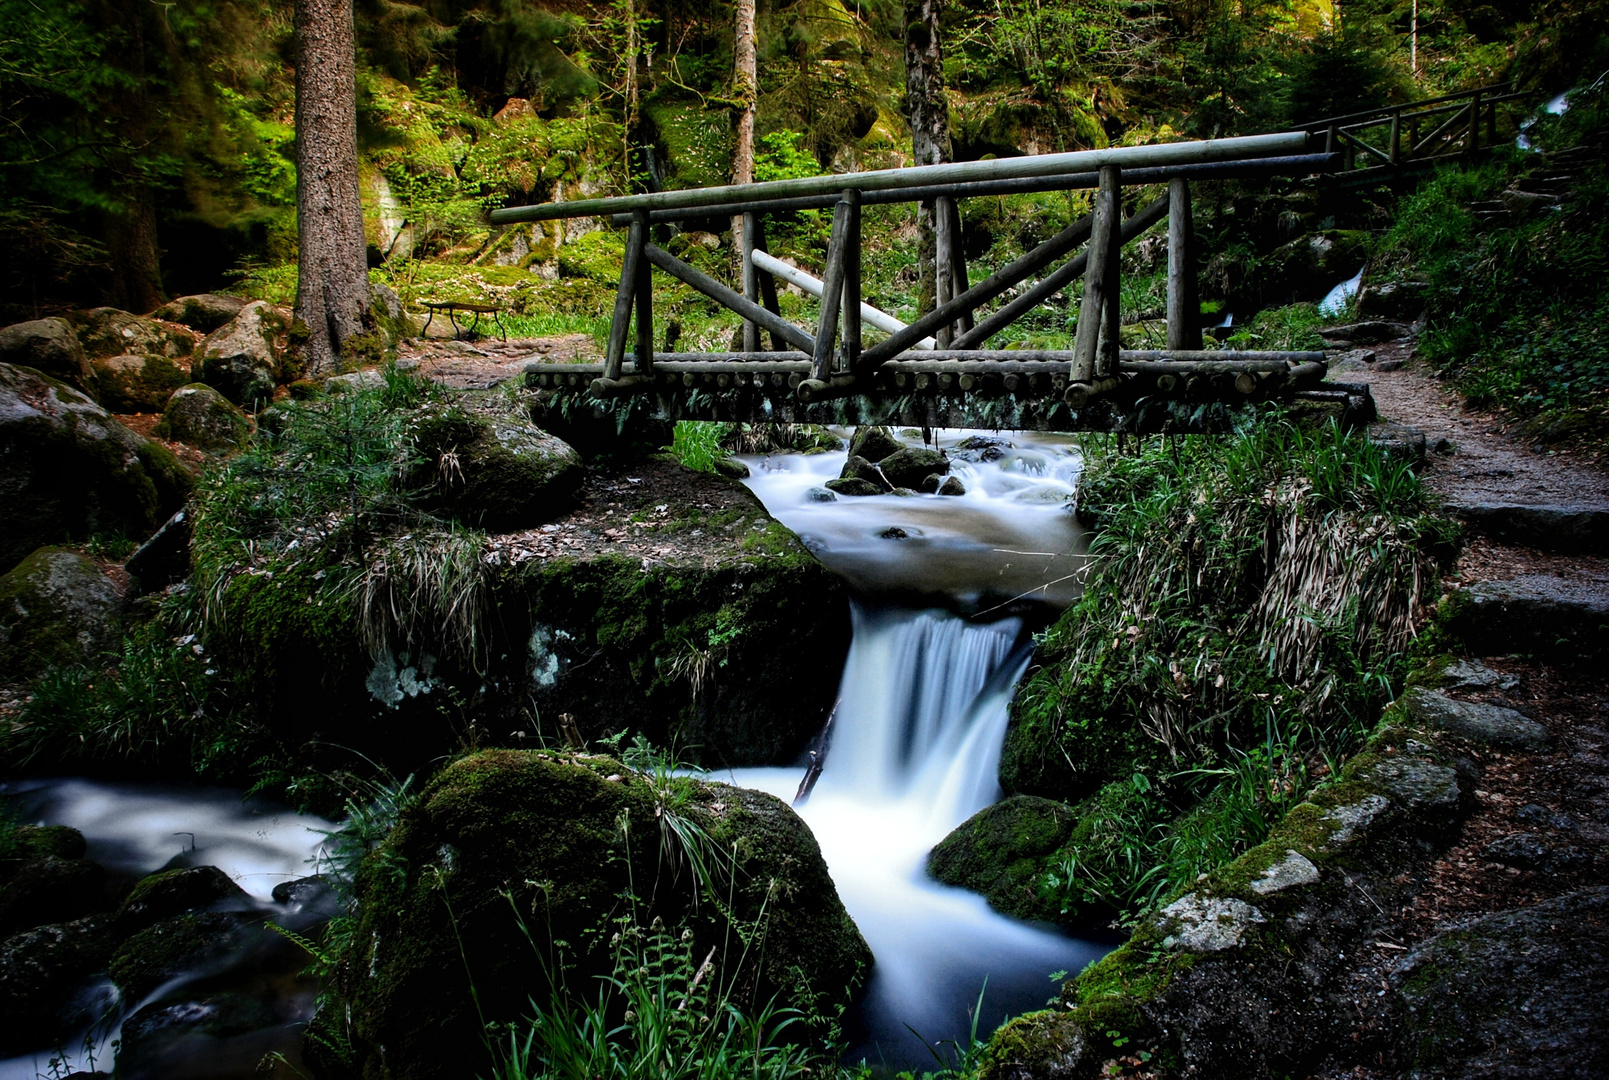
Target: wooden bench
{"x": 453, "y": 307}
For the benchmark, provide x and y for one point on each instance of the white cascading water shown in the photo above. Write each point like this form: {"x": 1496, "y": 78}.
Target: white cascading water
{"x": 916, "y": 742}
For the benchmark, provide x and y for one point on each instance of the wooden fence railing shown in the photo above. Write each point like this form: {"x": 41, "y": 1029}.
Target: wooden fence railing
{"x": 1421, "y": 131}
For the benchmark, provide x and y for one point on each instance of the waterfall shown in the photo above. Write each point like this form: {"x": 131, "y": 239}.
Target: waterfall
{"x": 915, "y": 751}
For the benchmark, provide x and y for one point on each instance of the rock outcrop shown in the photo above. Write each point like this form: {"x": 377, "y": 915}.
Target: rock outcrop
{"x": 47, "y": 345}
{"x": 58, "y": 607}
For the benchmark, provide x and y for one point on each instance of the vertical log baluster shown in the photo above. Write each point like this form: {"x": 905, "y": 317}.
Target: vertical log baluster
{"x": 768, "y": 284}
{"x": 1097, "y": 278}
{"x": 1184, "y": 307}
{"x": 1396, "y": 136}
{"x": 645, "y": 301}
{"x": 959, "y": 279}
{"x": 851, "y": 306}
{"x": 751, "y": 280}
{"x": 943, "y": 262}
{"x": 832, "y": 292}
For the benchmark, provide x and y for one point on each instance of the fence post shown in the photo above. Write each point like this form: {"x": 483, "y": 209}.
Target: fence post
{"x": 1100, "y": 282}
{"x": 645, "y": 300}
{"x": 944, "y": 262}
{"x": 832, "y": 292}
{"x": 1184, "y": 309}
{"x": 751, "y": 280}
{"x": 1396, "y": 136}
{"x": 1474, "y": 124}
{"x": 959, "y": 280}
{"x": 620, "y": 322}
{"x": 851, "y": 306}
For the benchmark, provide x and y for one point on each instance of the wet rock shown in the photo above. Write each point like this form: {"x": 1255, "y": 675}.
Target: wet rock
{"x": 853, "y": 487}
{"x": 894, "y": 532}
{"x": 170, "y": 893}
{"x": 911, "y": 466}
{"x": 1430, "y": 793}
{"x": 43, "y": 973}
{"x": 874, "y": 444}
{"x": 568, "y": 833}
{"x": 820, "y": 494}
{"x": 241, "y": 359}
{"x": 57, "y": 607}
{"x": 49, "y": 889}
{"x": 1372, "y": 332}
{"x": 1399, "y": 441}
{"x": 165, "y": 557}
{"x": 1477, "y": 722}
{"x": 205, "y": 312}
{"x": 137, "y": 384}
{"x": 196, "y": 1023}
{"x": 69, "y": 471}
{"x": 1206, "y": 924}
{"x": 859, "y": 468}
{"x": 171, "y": 948}
{"x": 62, "y": 841}
{"x": 1570, "y": 529}
{"x": 1002, "y": 852}
{"x": 50, "y": 346}
{"x": 1533, "y": 613}
{"x": 487, "y": 464}
{"x": 981, "y": 448}
{"x": 309, "y": 894}
{"x": 109, "y": 331}
{"x": 202, "y": 417}
{"x": 952, "y": 486}
{"x": 1511, "y": 995}
{"x": 1294, "y": 869}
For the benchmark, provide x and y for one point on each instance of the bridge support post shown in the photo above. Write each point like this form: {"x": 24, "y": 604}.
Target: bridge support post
{"x": 832, "y": 291}
{"x": 1184, "y": 305}
{"x": 620, "y": 321}
{"x": 645, "y": 301}
{"x": 959, "y": 280}
{"x": 751, "y": 278}
{"x": 851, "y": 313}
{"x": 768, "y": 286}
{"x": 1096, "y": 343}
{"x": 944, "y": 262}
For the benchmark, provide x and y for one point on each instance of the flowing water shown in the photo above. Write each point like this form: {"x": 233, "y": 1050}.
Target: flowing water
{"x": 922, "y": 714}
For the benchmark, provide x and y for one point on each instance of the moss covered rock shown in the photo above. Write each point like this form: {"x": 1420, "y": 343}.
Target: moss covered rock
{"x": 874, "y": 443}
{"x": 244, "y": 358}
{"x": 57, "y": 607}
{"x": 170, "y": 893}
{"x": 487, "y": 464}
{"x": 69, "y": 471}
{"x": 108, "y": 331}
{"x": 559, "y": 846}
{"x": 136, "y": 383}
{"x": 912, "y": 466}
{"x": 41, "y": 974}
{"x": 201, "y": 416}
{"x": 158, "y": 953}
{"x": 1003, "y": 851}
{"x": 204, "y": 312}
{"x": 48, "y": 889}
{"x": 47, "y": 345}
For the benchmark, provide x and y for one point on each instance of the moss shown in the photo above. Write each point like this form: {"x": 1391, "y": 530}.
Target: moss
{"x": 490, "y": 466}
{"x": 138, "y": 384}
{"x": 595, "y": 256}
{"x": 158, "y": 953}
{"x": 1004, "y": 852}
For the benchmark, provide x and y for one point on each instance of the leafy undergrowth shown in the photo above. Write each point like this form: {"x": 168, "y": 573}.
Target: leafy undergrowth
{"x": 1246, "y": 618}
{"x": 1519, "y": 297}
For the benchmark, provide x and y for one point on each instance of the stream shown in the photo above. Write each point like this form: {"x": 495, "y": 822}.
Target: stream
{"x": 949, "y": 590}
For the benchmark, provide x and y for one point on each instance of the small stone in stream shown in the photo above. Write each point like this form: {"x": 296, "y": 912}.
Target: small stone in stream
{"x": 1206, "y": 924}
{"x": 820, "y": 494}
{"x": 981, "y": 448}
{"x": 1490, "y": 724}
{"x": 309, "y": 894}
{"x": 1294, "y": 869}
{"x": 894, "y": 532}
{"x": 1537, "y": 814}
{"x": 853, "y": 487}
{"x": 952, "y": 486}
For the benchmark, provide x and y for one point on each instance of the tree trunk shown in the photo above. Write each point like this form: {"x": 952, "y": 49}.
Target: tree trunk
{"x": 746, "y": 87}
{"x": 929, "y": 114}
{"x": 332, "y": 290}
{"x": 136, "y": 260}
{"x": 131, "y": 231}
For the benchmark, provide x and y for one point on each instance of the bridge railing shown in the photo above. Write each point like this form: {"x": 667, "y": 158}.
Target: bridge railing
{"x": 832, "y": 359}
{"x": 1394, "y": 136}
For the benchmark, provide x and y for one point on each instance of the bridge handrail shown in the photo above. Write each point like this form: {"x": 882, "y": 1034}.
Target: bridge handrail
{"x": 1180, "y": 153}
{"x": 1386, "y": 111}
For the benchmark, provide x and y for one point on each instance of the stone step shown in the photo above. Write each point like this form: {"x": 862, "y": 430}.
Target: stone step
{"x": 1569, "y": 528}
{"x": 1538, "y": 614}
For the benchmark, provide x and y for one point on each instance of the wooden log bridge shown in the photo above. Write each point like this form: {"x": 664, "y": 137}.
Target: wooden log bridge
{"x": 938, "y": 370}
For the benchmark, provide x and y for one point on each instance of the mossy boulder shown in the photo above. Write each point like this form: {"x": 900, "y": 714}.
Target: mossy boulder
{"x": 488, "y": 465}
{"x": 1003, "y": 851}
{"x": 48, "y": 889}
{"x": 853, "y": 485}
{"x": 874, "y": 443}
{"x": 244, "y": 358}
{"x": 912, "y": 466}
{"x": 505, "y": 844}
{"x": 205, "y": 312}
{"x": 62, "y": 841}
{"x": 47, "y": 345}
{"x": 162, "y": 951}
{"x": 192, "y": 1023}
{"x": 859, "y": 468}
{"x": 57, "y": 607}
{"x": 137, "y": 383}
{"x": 202, "y": 417}
{"x": 171, "y": 893}
{"x": 107, "y": 331}
{"x": 41, "y": 974}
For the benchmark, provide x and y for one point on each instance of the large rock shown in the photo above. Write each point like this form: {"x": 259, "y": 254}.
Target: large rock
{"x": 42, "y": 972}
{"x": 57, "y": 608}
{"x": 205, "y": 312}
{"x": 1002, "y": 852}
{"x": 1511, "y": 995}
{"x": 171, "y": 893}
{"x": 201, "y": 416}
{"x": 874, "y": 444}
{"x": 50, "y": 346}
{"x": 69, "y": 471}
{"x": 152, "y": 956}
{"x": 556, "y": 841}
{"x": 489, "y": 465}
{"x": 49, "y": 889}
{"x": 1493, "y": 725}
{"x": 1397, "y": 300}
{"x": 108, "y": 331}
{"x": 242, "y": 359}
{"x": 138, "y": 383}
{"x": 911, "y": 467}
